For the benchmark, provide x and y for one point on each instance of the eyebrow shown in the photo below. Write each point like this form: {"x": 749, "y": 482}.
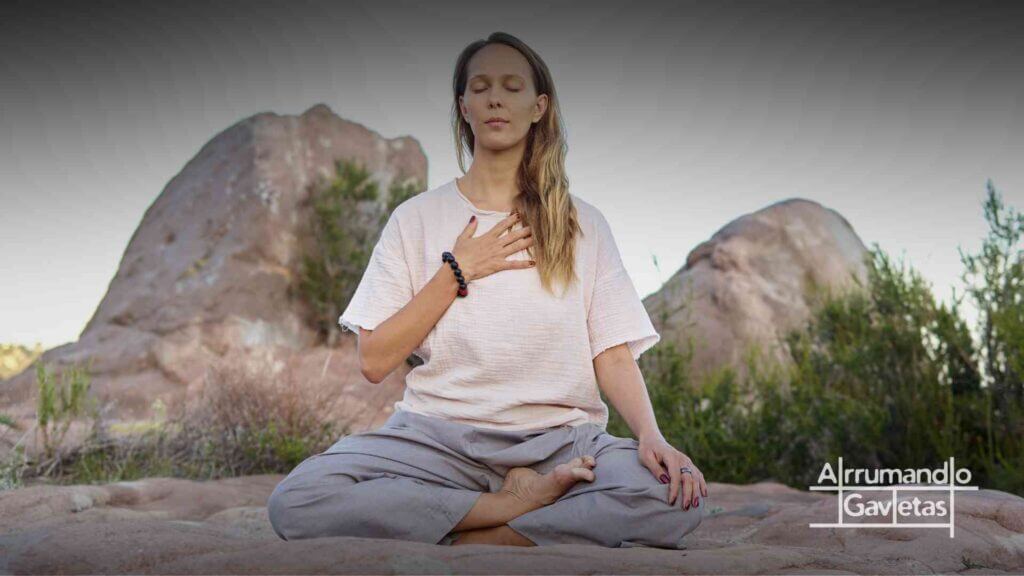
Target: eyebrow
{"x": 475, "y": 76}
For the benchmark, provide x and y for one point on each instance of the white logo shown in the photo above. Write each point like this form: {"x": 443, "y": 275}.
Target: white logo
{"x": 849, "y": 484}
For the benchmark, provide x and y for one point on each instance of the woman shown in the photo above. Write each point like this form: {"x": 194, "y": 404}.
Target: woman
{"x": 500, "y": 437}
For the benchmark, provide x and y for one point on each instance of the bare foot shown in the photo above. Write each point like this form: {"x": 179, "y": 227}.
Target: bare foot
{"x": 537, "y": 490}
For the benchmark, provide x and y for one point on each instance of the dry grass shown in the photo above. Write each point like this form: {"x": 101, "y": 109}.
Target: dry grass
{"x": 254, "y": 413}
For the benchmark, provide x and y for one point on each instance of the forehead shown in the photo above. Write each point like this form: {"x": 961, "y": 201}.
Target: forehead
{"x": 498, "y": 61}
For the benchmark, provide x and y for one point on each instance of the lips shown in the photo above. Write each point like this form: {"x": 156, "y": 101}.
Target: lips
{"x": 496, "y": 122}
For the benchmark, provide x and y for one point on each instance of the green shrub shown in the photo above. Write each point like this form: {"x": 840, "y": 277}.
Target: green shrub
{"x": 59, "y": 404}
{"x": 884, "y": 376}
{"x": 347, "y": 217}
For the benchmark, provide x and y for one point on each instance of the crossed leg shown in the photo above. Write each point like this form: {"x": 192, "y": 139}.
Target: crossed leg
{"x": 364, "y": 487}
{"x": 624, "y": 506}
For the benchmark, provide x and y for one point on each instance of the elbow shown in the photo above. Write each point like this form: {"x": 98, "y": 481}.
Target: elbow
{"x": 371, "y": 373}
{"x": 369, "y": 369}
{"x": 366, "y": 364}
{"x": 371, "y": 376}
{"x": 373, "y": 366}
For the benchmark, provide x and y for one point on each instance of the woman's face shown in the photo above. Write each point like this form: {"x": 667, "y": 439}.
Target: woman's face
{"x": 500, "y": 85}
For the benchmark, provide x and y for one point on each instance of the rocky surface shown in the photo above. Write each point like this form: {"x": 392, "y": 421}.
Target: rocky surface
{"x": 173, "y": 526}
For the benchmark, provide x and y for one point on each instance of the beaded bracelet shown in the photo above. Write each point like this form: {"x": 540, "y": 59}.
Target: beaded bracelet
{"x": 450, "y": 259}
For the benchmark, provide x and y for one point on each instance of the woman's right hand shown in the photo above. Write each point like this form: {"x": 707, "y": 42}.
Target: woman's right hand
{"x": 484, "y": 255}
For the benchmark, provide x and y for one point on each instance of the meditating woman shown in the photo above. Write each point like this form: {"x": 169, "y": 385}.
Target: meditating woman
{"x": 501, "y": 434}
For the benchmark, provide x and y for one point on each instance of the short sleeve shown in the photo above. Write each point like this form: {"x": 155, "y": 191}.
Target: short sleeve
{"x": 386, "y": 285}
{"x": 616, "y": 313}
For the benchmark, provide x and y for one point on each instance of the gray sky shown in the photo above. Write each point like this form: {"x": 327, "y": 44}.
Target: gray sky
{"x": 681, "y": 117}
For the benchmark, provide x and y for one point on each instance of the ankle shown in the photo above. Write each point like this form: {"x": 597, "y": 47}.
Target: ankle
{"x": 515, "y": 505}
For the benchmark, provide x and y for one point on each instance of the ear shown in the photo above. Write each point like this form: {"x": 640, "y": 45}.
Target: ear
{"x": 541, "y": 107}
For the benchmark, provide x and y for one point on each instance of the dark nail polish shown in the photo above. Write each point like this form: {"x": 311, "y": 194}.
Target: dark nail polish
{"x": 664, "y": 478}
{"x": 472, "y": 218}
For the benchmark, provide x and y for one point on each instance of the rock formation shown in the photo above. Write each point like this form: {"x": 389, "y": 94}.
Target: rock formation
{"x": 211, "y": 268}
{"x": 751, "y": 282}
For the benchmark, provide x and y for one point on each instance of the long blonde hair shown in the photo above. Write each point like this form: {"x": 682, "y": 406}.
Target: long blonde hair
{"x": 544, "y": 201}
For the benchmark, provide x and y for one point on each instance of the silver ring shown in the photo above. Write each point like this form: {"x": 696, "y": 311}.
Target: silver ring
{"x": 686, "y": 470}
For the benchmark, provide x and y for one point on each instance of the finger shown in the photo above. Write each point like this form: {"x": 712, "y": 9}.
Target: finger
{"x": 650, "y": 462}
{"x": 700, "y": 487}
{"x": 505, "y": 225}
{"x": 517, "y": 264}
{"x": 687, "y": 491}
{"x": 517, "y": 235}
{"x": 673, "y": 472}
{"x": 516, "y": 246}
{"x": 467, "y": 232}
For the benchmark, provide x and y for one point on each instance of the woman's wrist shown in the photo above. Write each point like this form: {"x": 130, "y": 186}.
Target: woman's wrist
{"x": 451, "y": 283}
{"x": 449, "y": 259}
{"x": 650, "y": 433}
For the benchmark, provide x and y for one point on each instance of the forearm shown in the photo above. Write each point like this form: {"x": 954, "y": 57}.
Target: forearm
{"x": 620, "y": 379}
{"x": 394, "y": 339}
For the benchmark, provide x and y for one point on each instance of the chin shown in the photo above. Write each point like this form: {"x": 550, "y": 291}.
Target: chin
{"x": 499, "y": 145}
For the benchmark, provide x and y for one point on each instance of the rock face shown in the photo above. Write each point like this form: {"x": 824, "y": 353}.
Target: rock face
{"x": 748, "y": 284}
{"x": 173, "y": 526}
{"x": 211, "y": 266}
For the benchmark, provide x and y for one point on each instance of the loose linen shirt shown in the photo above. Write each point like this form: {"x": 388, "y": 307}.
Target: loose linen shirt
{"x": 510, "y": 355}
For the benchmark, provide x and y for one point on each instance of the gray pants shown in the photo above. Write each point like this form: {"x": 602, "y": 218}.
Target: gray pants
{"x": 417, "y": 476}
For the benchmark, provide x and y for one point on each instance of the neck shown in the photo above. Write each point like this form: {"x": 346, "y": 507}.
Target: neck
{"x": 490, "y": 182}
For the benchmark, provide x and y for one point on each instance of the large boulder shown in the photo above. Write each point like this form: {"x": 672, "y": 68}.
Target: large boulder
{"x": 753, "y": 280}
{"x": 211, "y": 268}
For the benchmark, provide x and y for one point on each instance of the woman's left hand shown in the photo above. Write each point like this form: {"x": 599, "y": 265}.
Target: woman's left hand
{"x": 656, "y": 451}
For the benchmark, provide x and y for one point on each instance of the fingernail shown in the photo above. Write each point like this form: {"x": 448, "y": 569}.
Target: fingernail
{"x": 664, "y": 478}
{"x": 696, "y": 502}
{"x": 472, "y": 218}
{"x": 532, "y": 263}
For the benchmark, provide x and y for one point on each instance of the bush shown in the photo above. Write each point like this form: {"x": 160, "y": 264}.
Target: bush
{"x": 884, "y": 376}
{"x": 255, "y": 416}
{"x": 58, "y": 405}
{"x": 346, "y": 223}
{"x": 252, "y": 416}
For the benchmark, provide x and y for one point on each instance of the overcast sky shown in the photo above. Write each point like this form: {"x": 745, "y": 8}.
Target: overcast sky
{"x": 681, "y": 117}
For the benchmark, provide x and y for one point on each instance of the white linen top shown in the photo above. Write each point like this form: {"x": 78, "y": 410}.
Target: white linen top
{"x": 510, "y": 355}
